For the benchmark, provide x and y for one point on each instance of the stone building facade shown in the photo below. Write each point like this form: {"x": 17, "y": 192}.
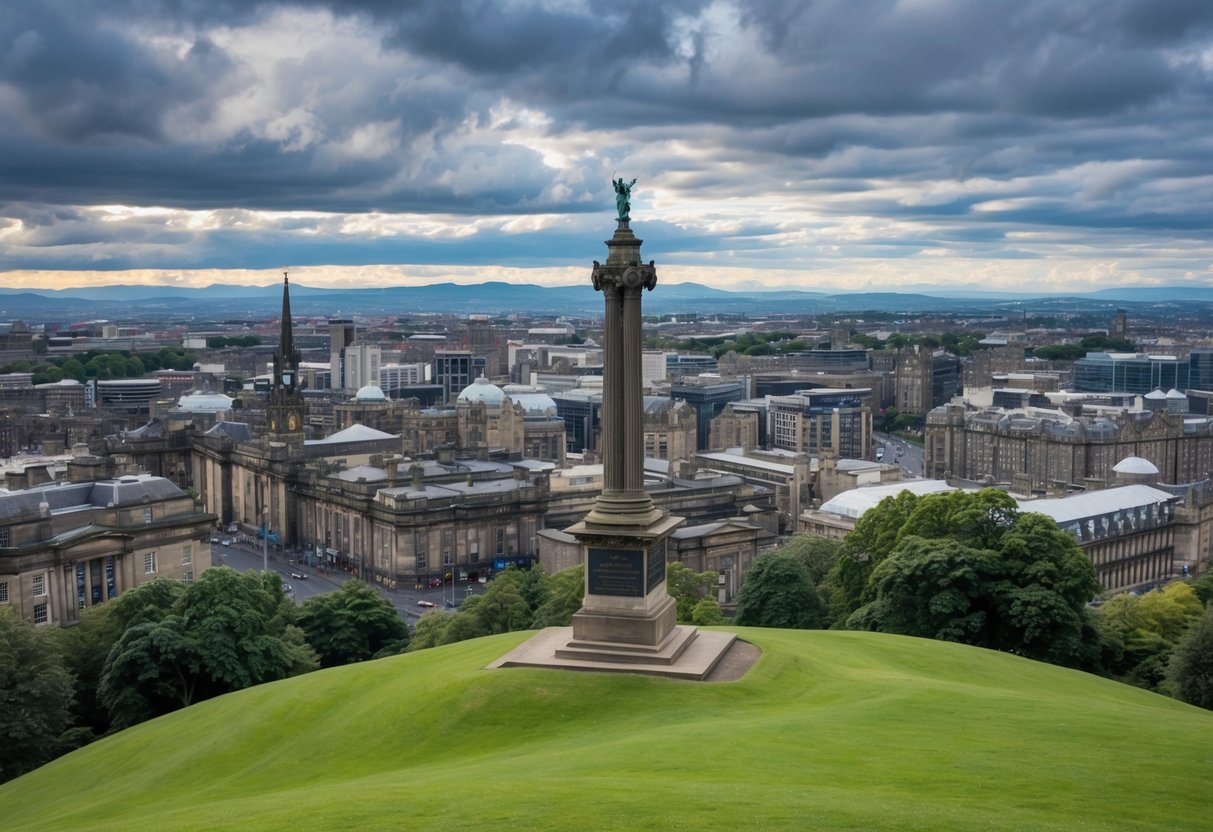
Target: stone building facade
{"x": 1054, "y": 450}
{"x": 68, "y": 546}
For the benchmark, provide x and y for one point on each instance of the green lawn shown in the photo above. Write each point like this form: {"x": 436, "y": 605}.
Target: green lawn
{"x": 830, "y": 730}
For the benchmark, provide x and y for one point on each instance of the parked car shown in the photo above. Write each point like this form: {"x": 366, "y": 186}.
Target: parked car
{"x": 299, "y": 576}
{"x": 226, "y": 542}
{"x": 424, "y": 603}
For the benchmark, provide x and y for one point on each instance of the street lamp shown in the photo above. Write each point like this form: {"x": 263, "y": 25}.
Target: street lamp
{"x": 265, "y": 540}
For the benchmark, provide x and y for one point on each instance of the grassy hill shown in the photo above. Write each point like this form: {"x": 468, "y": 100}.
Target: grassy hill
{"x": 830, "y": 730}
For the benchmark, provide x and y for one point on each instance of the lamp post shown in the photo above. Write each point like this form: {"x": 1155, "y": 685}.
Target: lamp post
{"x": 265, "y": 540}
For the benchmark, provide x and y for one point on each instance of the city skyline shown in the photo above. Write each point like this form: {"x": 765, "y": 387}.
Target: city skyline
{"x": 882, "y": 145}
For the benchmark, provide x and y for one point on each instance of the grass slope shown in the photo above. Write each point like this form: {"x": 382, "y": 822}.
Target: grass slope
{"x": 828, "y": 731}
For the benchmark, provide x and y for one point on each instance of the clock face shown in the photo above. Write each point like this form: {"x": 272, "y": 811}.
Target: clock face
{"x": 292, "y": 423}
{"x": 286, "y": 379}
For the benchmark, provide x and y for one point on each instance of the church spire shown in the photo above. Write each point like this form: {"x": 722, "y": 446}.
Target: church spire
{"x": 285, "y": 409}
{"x": 287, "y": 356}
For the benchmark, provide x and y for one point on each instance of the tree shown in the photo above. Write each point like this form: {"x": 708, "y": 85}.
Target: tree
{"x": 566, "y": 589}
{"x": 686, "y": 586}
{"x": 353, "y": 624}
{"x": 225, "y": 632}
{"x": 707, "y": 612}
{"x": 969, "y": 567}
{"x": 818, "y": 554}
{"x": 870, "y": 542}
{"x": 1139, "y": 632}
{"x": 36, "y": 694}
{"x": 777, "y": 592}
{"x": 930, "y": 588}
{"x": 1190, "y": 672}
{"x": 84, "y": 648}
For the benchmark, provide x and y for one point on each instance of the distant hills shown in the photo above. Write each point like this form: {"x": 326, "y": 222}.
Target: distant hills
{"x": 227, "y": 300}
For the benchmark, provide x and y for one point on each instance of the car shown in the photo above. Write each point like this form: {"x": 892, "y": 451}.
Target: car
{"x": 425, "y": 603}
{"x": 226, "y": 542}
{"x": 214, "y": 540}
{"x": 299, "y": 576}
{"x": 288, "y": 589}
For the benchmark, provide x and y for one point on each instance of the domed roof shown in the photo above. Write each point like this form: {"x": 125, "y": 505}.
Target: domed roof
{"x": 1135, "y": 465}
{"x": 1155, "y": 395}
{"x": 370, "y": 393}
{"x": 1175, "y": 394}
{"x": 535, "y": 404}
{"x": 204, "y": 403}
{"x": 482, "y": 390}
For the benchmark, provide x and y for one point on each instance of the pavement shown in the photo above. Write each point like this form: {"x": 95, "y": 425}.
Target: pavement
{"x": 244, "y": 557}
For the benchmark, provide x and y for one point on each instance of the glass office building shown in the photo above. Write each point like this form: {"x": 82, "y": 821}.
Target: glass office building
{"x": 1120, "y": 372}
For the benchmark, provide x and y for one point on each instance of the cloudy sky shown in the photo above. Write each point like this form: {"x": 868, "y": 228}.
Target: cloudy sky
{"x": 1017, "y": 144}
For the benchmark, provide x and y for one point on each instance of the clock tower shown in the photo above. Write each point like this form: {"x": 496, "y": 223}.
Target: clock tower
{"x": 285, "y": 408}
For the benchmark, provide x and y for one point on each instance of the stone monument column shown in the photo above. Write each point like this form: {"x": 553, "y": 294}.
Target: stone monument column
{"x": 627, "y": 621}
{"x": 626, "y": 604}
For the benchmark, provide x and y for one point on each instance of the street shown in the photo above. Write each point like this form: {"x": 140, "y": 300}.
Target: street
{"x": 901, "y": 452}
{"x": 245, "y": 558}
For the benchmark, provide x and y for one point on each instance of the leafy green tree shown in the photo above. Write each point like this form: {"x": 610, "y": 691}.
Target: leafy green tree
{"x": 870, "y": 542}
{"x": 818, "y": 554}
{"x": 686, "y": 586}
{"x": 84, "y": 648}
{"x": 502, "y": 608}
{"x": 430, "y": 630}
{"x": 226, "y": 631}
{"x": 707, "y": 612}
{"x": 1139, "y": 633}
{"x": 353, "y": 624}
{"x": 566, "y": 589}
{"x": 72, "y": 368}
{"x": 1203, "y": 586}
{"x": 930, "y": 588}
{"x": 1190, "y": 672}
{"x": 35, "y": 696}
{"x": 970, "y": 567}
{"x": 777, "y": 592}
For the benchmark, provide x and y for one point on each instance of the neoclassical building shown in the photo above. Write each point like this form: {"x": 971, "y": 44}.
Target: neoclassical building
{"x": 1051, "y": 450}
{"x": 66, "y": 546}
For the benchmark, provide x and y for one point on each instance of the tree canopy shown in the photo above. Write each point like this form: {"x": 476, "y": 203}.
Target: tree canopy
{"x": 517, "y": 599}
{"x": 968, "y": 567}
{"x": 226, "y": 631}
{"x": 35, "y": 696}
{"x": 353, "y": 624}
{"x": 1190, "y": 672}
{"x": 778, "y": 592}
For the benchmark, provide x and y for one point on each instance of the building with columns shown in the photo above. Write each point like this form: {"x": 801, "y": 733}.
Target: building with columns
{"x": 65, "y": 546}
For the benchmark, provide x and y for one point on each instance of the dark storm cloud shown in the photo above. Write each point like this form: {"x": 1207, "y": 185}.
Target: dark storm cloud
{"x": 970, "y": 117}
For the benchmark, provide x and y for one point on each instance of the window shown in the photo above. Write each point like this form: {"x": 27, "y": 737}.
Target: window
{"x": 4, "y": 544}
{"x": 149, "y": 563}
{"x": 147, "y": 515}
{"x": 187, "y": 555}
{"x": 39, "y": 586}
{"x": 499, "y": 534}
{"x": 187, "y": 576}
{"x": 3, "y": 592}
{"x": 422, "y": 562}
{"x": 40, "y": 614}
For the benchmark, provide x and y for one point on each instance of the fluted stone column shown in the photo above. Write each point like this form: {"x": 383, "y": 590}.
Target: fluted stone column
{"x": 621, "y": 280}
{"x": 624, "y": 535}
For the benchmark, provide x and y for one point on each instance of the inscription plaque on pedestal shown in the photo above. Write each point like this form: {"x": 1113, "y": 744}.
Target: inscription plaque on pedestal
{"x": 615, "y": 572}
{"x": 656, "y": 571}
